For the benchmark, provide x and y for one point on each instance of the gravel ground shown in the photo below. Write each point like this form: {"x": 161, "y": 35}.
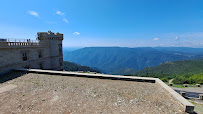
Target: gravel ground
{"x": 53, "y": 94}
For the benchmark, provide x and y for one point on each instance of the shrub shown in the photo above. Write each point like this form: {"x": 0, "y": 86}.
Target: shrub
{"x": 164, "y": 79}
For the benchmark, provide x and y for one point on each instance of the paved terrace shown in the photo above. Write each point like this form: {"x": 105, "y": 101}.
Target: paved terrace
{"x": 58, "y": 92}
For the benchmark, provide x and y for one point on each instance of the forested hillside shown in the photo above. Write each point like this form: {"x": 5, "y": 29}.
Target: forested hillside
{"x": 187, "y": 71}
{"x": 68, "y": 66}
{"x": 189, "y": 79}
{"x": 175, "y": 68}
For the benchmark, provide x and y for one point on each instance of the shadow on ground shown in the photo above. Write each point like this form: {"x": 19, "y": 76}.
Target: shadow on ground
{"x": 11, "y": 75}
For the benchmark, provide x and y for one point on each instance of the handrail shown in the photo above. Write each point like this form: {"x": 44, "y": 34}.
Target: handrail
{"x": 18, "y": 42}
{"x": 22, "y": 44}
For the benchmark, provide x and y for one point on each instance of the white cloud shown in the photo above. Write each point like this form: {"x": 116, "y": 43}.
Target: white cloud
{"x": 76, "y": 33}
{"x": 155, "y": 38}
{"x": 33, "y": 13}
{"x": 65, "y": 20}
{"x": 176, "y": 38}
{"x": 62, "y": 15}
{"x": 59, "y": 12}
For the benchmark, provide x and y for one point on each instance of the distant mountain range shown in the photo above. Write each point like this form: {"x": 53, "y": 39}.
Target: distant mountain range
{"x": 120, "y": 60}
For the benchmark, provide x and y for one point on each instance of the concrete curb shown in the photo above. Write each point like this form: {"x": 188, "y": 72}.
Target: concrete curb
{"x": 116, "y": 77}
{"x": 188, "y": 107}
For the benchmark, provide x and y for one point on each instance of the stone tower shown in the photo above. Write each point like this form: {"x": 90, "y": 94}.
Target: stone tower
{"x": 53, "y": 45}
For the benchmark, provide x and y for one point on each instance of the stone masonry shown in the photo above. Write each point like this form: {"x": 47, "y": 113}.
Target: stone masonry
{"x": 44, "y": 54}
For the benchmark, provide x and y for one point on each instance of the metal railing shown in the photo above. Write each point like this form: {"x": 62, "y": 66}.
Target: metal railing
{"x": 18, "y": 42}
{"x": 22, "y": 43}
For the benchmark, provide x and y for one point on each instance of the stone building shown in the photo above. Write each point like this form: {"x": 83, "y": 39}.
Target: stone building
{"x": 45, "y": 53}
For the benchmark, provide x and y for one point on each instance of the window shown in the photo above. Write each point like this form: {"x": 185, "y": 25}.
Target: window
{"x": 40, "y": 54}
{"x": 60, "y": 49}
{"x": 24, "y": 56}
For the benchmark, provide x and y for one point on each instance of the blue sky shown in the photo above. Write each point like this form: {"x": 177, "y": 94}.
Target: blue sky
{"x": 124, "y": 23}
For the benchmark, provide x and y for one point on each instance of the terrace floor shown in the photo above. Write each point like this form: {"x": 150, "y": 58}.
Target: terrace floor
{"x": 52, "y": 94}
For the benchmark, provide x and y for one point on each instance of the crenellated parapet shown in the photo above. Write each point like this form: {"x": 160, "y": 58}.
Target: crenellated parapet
{"x": 49, "y": 35}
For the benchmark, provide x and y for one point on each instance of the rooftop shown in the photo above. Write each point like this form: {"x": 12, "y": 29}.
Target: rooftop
{"x": 49, "y": 34}
{"x": 47, "y": 93}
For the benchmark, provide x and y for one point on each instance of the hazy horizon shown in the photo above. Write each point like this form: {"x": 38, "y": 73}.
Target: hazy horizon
{"x": 130, "y": 47}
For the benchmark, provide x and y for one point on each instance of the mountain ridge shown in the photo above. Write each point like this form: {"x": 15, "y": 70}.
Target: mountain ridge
{"x": 110, "y": 59}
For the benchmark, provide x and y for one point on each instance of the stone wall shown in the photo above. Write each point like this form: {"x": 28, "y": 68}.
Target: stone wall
{"x": 11, "y": 55}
